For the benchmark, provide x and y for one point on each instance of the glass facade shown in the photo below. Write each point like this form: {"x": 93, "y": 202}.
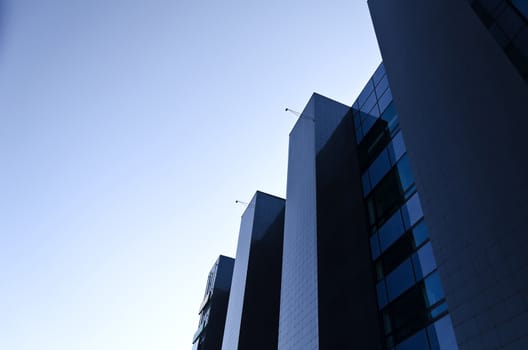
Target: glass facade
{"x": 410, "y": 296}
{"x": 507, "y": 21}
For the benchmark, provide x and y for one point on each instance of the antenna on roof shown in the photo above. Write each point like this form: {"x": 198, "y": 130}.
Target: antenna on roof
{"x": 293, "y": 112}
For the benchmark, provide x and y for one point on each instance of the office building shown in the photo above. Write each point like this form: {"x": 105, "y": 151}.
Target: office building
{"x": 457, "y": 70}
{"x": 253, "y": 310}
{"x": 214, "y": 306}
{"x": 358, "y": 266}
{"x": 404, "y": 213}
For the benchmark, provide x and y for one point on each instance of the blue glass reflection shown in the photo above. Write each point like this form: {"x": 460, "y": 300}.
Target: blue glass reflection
{"x": 442, "y": 335}
{"x": 379, "y": 168}
{"x": 382, "y": 86}
{"x": 405, "y": 173}
{"x": 384, "y": 102}
{"x": 522, "y": 6}
{"x": 399, "y": 280}
{"x": 365, "y": 93}
{"x": 380, "y": 72}
{"x": 424, "y": 261}
{"x": 420, "y": 233}
{"x": 416, "y": 342}
{"x": 371, "y": 101}
{"x": 433, "y": 289}
{"x": 438, "y": 310}
{"x": 412, "y": 211}
{"x": 397, "y": 147}
{"x": 391, "y": 231}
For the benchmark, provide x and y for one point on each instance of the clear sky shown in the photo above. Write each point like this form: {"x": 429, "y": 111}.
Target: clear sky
{"x": 128, "y": 129}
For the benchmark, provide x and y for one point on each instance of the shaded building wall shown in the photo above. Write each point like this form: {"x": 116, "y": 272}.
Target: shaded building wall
{"x": 327, "y": 295}
{"x": 462, "y": 107}
{"x": 214, "y": 307}
{"x": 253, "y": 310}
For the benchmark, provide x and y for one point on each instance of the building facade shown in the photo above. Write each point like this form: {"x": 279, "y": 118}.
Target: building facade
{"x": 213, "y": 309}
{"x": 457, "y": 73}
{"x": 403, "y": 225}
{"x": 253, "y": 310}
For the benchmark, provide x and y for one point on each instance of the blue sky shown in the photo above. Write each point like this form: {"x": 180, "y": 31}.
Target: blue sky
{"x": 127, "y": 131}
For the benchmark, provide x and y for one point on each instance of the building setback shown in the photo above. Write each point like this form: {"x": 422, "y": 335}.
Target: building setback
{"x": 253, "y": 311}
{"x": 328, "y": 292}
{"x": 457, "y": 71}
{"x": 214, "y": 306}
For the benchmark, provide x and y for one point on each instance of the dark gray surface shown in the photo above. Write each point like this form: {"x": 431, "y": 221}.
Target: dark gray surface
{"x": 253, "y": 309}
{"x": 462, "y": 108}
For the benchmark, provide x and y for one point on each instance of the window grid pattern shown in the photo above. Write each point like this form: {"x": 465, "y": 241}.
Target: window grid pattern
{"x": 411, "y": 301}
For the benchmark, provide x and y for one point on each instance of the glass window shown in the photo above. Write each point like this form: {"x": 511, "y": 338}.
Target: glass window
{"x": 399, "y": 280}
{"x": 407, "y": 314}
{"x": 365, "y": 93}
{"x": 412, "y": 211}
{"x": 368, "y": 123}
{"x": 522, "y": 6}
{"x": 382, "y": 294}
{"x": 369, "y": 103}
{"x": 382, "y": 86}
{"x": 424, "y": 261}
{"x": 438, "y": 310}
{"x": 442, "y": 335}
{"x": 380, "y": 72}
{"x": 391, "y": 230}
{"x": 416, "y": 342}
{"x": 397, "y": 253}
{"x": 397, "y": 147}
{"x": 433, "y": 289}
{"x": 420, "y": 233}
{"x": 405, "y": 173}
{"x": 387, "y": 195}
{"x": 379, "y": 168}
{"x": 384, "y": 102}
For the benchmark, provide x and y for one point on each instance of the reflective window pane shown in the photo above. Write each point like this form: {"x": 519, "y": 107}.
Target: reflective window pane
{"x": 420, "y": 233}
{"x": 412, "y": 211}
{"x": 382, "y": 86}
{"x": 384, "y": 102}
{"x": 380, "y": 72}
{"x": 397, "y": 147}
{"x": 416, "y": 342}
{"x": 399, "y": 280}
{"x": 442, "y": 335}
{"x": 379, "y": 168}
{"x": 433, "y": 289}
{"x": 367, "y": 90}
{"x": 424, "y": 261}
{"x": 405, "y": 173}
{"x": 391, "y": 231}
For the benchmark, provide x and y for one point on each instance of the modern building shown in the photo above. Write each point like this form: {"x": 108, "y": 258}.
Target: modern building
{"x": 328, "y": 298}
{"x": 253, "y": 311}
{"x": 404, "y": 214}
{"x": 358, "y": 266}
{"x": 214, "y": 306}
{"x": 457, "y": 70}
